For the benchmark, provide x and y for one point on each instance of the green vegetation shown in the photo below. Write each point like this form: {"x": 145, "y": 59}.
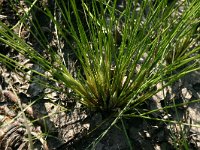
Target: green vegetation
{"x": 122, "y": 53}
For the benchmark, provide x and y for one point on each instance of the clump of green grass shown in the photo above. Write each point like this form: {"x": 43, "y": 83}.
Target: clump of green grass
{"x": 122, "y": 54}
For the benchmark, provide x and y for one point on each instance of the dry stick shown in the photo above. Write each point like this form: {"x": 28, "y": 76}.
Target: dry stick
{"x": 57, "y": 37}
{"x": 16, "y": 100}
{"x": 14, "y": 96}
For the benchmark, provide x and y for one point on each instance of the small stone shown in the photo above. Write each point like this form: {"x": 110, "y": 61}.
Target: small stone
{"x": 186, "y": 94}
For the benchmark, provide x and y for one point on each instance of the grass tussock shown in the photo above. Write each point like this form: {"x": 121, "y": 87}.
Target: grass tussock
{"x": 123, "y": 51}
